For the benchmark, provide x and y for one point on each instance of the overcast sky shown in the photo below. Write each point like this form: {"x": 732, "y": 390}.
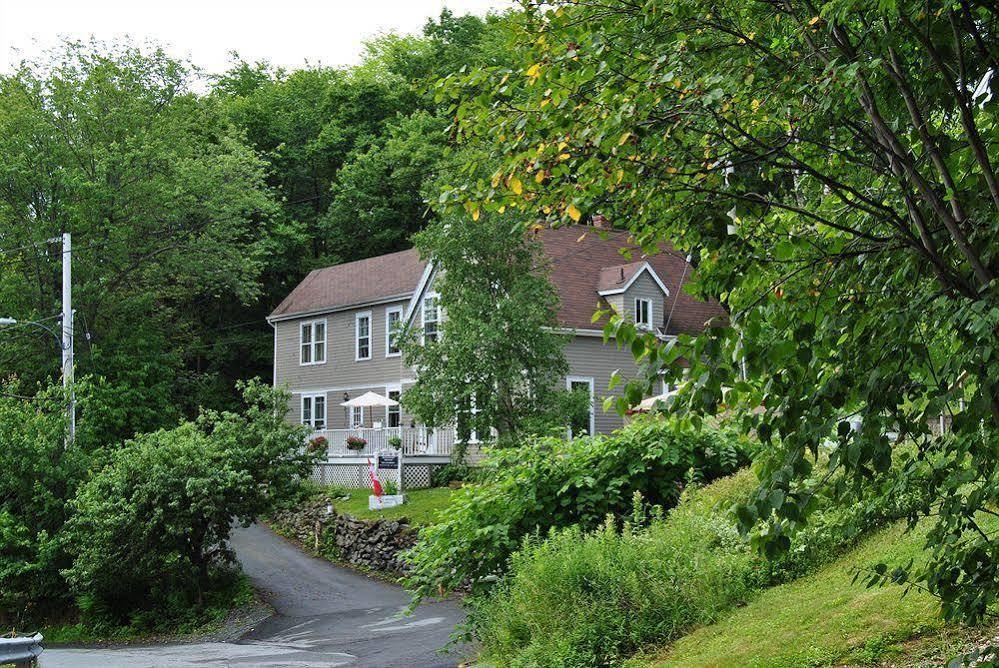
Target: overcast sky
{"x": 286, "y": 32}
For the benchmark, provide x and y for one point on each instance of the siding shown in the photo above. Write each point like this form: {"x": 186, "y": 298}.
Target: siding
{"x": 589, "y": 357}
{"x": 341, "y": 372}
{"x": 646, "y": 288}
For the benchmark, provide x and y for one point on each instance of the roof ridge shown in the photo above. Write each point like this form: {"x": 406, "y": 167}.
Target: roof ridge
{"x": 365, "y": 259}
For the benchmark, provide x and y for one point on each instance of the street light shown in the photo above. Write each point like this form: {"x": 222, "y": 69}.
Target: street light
{"x": 14, "y": 321}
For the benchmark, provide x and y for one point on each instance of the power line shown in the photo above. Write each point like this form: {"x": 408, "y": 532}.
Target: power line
{"x": 11, "y": 395}
{"x": 95, "y": 244}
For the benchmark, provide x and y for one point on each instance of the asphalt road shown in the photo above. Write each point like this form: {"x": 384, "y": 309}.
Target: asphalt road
{"x": 326, "y": 616}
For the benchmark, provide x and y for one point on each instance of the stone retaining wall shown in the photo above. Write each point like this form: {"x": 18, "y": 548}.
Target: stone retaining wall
{"x": 367, "y": 544}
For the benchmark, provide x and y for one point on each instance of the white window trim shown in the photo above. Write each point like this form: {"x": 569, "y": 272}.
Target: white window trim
{"x": 423, "y": 313}
{"x": 652, "y": 318}
{"x": 357, "y": 336}
{"x": 389, "y": 389}
{"x": 473, "y": 410}
{"x": 352, "y": 420}
{"x": 312, "y": 327}
{"x": 312, "y": 418}
{"x": 388, "y": 330}
{"x": 569, "y": 380}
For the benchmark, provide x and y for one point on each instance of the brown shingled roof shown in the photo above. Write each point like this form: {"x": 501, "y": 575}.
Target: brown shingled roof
{"x": 616, "y": 277}
{"x": 581, "y": 263}
{"x": 578, "y": 258}
{"x": 382, "y": 277}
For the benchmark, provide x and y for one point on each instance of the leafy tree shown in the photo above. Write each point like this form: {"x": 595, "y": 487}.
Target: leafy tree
{"x": 378, "y": 201}
{"x": 150, "y": 528}
{"x": 498, "y": 354}
{"x": 448, "y": 44}
{"x": 168, "y": 208}
{"x": 307, "y": 123}
{"x": 830, "y": 166}
{"x": 37, "y": 478}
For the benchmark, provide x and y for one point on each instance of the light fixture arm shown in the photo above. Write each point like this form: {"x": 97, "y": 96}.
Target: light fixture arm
{"x": 13, "y": 321}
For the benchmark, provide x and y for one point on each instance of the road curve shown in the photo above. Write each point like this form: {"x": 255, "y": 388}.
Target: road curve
{"x": 326, "y": 616}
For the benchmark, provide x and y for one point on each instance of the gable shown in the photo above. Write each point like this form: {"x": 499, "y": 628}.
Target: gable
{"x": 619, "y": 279}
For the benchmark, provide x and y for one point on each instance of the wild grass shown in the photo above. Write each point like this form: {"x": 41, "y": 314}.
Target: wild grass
{"x": 591, "y": 599}
{"x": 823, "y": 619}
{"x": 576, "y": 598}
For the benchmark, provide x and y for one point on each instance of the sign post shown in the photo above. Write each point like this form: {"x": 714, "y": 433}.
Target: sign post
{"x": 401, "y": 493}
{"x": 387, "y": 459}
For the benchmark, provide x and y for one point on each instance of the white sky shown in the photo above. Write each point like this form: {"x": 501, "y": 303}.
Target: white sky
{"x": 285, "y": 32}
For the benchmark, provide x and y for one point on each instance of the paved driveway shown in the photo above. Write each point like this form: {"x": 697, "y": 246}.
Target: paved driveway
{"x": 326, "y": 616}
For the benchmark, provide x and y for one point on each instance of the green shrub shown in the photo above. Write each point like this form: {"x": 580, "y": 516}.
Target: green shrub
{"x": 592, "y": 598}
{"x": 453, "y": 472}
{"x": 37, "y": 476}
{"x": 549, "y": 482}
{"x": 149, "y": 529}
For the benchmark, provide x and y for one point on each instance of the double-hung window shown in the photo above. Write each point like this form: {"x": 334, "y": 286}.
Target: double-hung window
{"x": 468, "y": 422}
{"x": 356, "y": 416}
{"x": 581, "y": 424}
{"x": 312, "y": 342}
{"x": 362, "y": 330}
{"x": 643, "y": 313}
{"x": 393, "y": 414}
{"x": 314, "y": 411}
{"x": 431, "y": 318}
{"x": 393, "y": 321}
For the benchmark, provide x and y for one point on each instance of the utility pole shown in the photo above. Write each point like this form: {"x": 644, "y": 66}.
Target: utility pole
{"x": 67, "y": 337}
{"x": 66, "y": 341}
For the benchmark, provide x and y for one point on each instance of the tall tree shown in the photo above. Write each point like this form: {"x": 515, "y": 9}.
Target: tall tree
{"x": 832, "y": 167}
{"x": 167, "y": 205}
{"x": 496, "y": 360}
{"x": 378, "y": 201}
{"x": 308, "y": 123}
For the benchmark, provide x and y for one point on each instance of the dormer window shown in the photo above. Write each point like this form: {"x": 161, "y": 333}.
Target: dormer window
{"x": 643, "y": 313}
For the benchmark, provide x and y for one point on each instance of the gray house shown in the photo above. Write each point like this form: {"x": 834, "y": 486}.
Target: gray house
{"x": 333, "y": 335}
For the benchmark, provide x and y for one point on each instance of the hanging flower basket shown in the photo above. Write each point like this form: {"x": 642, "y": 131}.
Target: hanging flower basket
{"x": 318, "y": 444}
{"x": 356, "y": 443}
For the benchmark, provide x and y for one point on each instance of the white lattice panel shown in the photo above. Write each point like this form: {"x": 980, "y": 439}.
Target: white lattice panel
{"x": 355, "y": 476}
{"x": 352, "y": 476}
{"x": 416, "y": 477}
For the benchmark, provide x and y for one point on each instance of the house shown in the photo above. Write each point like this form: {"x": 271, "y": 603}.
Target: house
{"x": 333, "y": 334}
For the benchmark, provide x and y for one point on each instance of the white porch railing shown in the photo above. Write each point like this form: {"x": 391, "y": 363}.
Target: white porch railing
{"x": 415, "y": 440}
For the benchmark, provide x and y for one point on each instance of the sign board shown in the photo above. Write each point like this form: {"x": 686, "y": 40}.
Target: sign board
{"x": 385, "y": 501}
{"x": 388, "y": 460}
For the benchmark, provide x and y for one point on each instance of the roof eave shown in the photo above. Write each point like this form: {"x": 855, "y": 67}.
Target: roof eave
{"x": 645, "y": 267}
{"x": 340, "y": 307}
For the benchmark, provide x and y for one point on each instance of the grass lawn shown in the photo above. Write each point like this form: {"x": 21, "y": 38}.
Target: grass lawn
{"x": 824, "y": 620}
{"x": 420, "y": 508}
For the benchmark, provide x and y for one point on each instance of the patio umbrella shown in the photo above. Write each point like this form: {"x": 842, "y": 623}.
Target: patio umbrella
{"x": 647, "y": 405}
{"x": 370, "y": 399}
